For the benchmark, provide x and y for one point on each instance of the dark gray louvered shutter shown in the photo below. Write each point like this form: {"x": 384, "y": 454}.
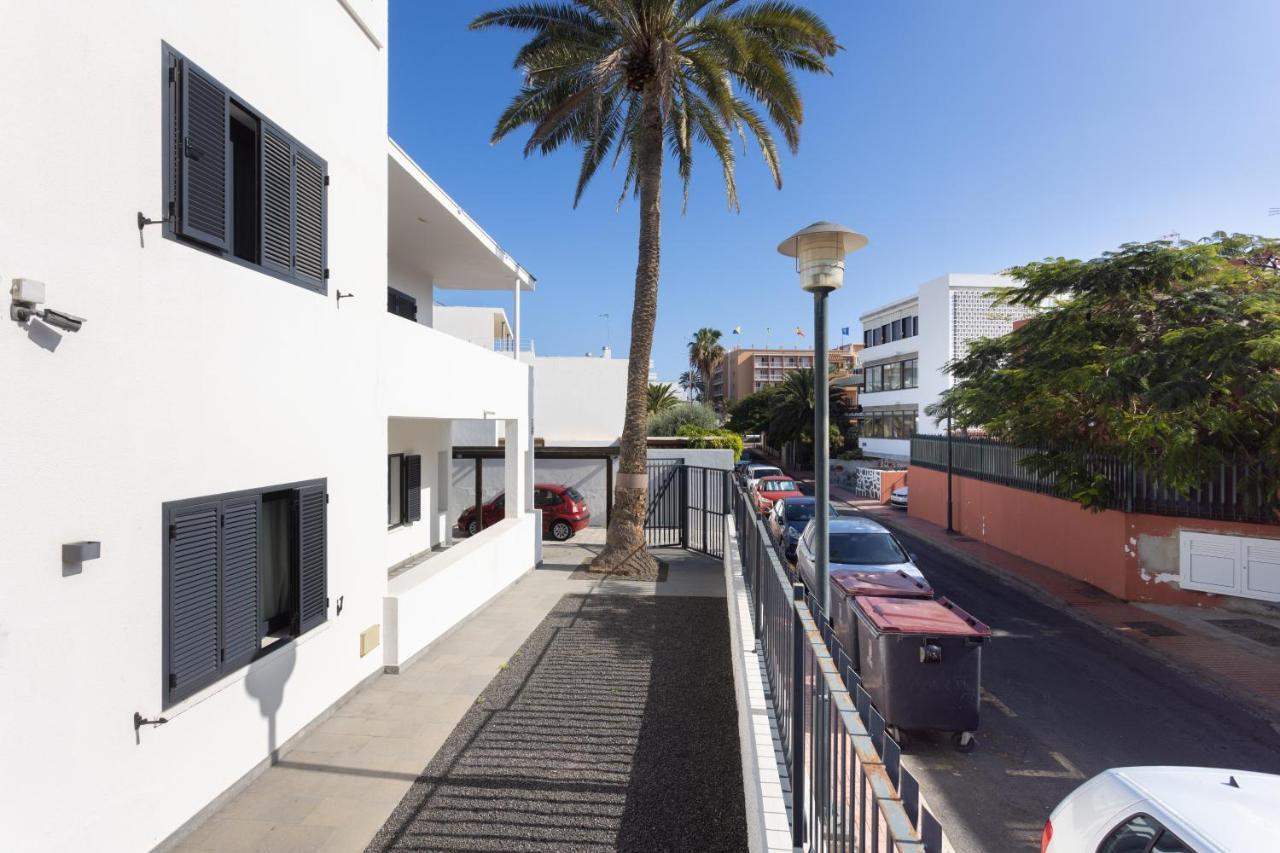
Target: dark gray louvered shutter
{"x": 412, "y": 479}
{"x": 240, "y": 624}
{"x": 277, "y": 200}
{"x": 202, "y": 168}
{"x": 191, "y": 637}
{"x": 309, "y": 218}
{"x": 313, "y": 605}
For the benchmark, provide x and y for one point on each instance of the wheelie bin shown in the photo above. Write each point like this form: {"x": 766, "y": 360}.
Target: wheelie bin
{"x": 847, "y": 585}
{"x": 921, "y": 662}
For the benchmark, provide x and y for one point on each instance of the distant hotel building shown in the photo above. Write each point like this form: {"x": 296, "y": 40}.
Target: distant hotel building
{"x": 744, "y": 370}
{"x": 907, "y": 345}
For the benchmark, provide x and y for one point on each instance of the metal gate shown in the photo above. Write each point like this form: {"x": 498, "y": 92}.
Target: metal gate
{"x": 687, "y": 507}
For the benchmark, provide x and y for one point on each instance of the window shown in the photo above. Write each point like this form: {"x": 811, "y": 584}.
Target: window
{"x": 402, "y": 304}
{"x": 404, "y": 489}
{"x": 238, "y": 186}
{"x": 545, "y": 497}
{"x": 895, "y": 330}
{"x": 866, "y": 338}
{"x": 893, "y": 376}
{"x": 242, "y": 572}
{"x": 866, "y": 549}
{"x": 915, "y": 325}
{"x": 909, "y": 372}
{"x": 1140, "y": 834}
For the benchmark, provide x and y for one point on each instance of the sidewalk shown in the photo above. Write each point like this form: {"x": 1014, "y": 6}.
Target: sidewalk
{"x": 1192, "y": 639}
{"x": 337, "y": 784}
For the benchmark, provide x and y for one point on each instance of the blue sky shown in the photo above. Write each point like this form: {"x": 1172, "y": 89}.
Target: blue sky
{"x": 960, "y": 137}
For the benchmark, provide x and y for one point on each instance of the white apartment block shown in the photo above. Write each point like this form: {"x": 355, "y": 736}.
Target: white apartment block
{"x": 907, "y": 345}
{"x": 203, "y": 489}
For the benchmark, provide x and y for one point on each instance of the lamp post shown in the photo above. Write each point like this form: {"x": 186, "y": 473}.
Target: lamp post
{"x": 820, "y": 251}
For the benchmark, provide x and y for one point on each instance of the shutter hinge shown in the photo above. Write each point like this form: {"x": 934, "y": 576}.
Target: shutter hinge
{"x": 222, "y": 520}
{"x": 326, "y": 605}
{"x": 326, "y": 180}
{"x": 326, "y": 498}
{"x": 173, "y": 680}
{"x": 222, "y": 654}
{"x": 173, "y": 531}
{"x": 173, "y": 75}
{"x": 326, "y": 273}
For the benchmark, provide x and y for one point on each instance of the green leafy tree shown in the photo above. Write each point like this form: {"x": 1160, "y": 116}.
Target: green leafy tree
{"x": 1165, "y": 355}
{"x": 669, "y": 421}
{"x": 704, "y": 352}
{"x": 690, "y": 383}
{"x": 661, "y": 397}
{"x": 752, "y": 413}
{"x": 637, "y": 81}
{"x": 715, "y": 439}
{"x": 793, "y": 411}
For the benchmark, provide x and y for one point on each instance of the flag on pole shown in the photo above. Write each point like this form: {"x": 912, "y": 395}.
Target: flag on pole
{"x": 844, "y": 331}
{"x": 799, "y": 331}
{"x": 737, "y": 330}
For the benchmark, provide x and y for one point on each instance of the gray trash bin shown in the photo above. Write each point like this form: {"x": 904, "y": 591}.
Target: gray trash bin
{"x": 847, "y": 585}
{"x": 921, "y": 662}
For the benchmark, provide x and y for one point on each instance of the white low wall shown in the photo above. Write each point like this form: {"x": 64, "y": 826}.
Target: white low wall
{"x": 703, "y": 457}
{"x": 428, "y": 600}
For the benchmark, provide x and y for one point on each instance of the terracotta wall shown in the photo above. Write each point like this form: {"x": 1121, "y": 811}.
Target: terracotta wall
{"x": 890, "y": 480}
{"x": 1130, "y": 555}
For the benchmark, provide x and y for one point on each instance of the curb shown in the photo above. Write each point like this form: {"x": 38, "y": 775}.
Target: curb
{"x": 1250, "y": 703}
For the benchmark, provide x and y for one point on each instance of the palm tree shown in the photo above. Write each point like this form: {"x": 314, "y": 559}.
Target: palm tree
{"x": 661, "y": 397}
{"x": 793, "y": 409}
{"x": 638, "y": 79}
{"x": 704, "y": 352}
{"x": 690, "y": 383}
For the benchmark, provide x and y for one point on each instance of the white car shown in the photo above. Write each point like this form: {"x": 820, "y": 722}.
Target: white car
{"x": 856, "y": 544}
{"x": 898, "y": 497}
{"x": 1167, "y": 810}
{"x": 756, "y": 472}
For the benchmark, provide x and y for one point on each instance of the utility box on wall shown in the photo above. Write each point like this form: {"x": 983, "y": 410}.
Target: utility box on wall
{"x": 1230, "y": 565}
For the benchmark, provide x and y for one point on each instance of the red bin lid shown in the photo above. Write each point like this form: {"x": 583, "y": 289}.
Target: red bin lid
{"x": 938, "y": 618}
{"x": 897, "y": 583}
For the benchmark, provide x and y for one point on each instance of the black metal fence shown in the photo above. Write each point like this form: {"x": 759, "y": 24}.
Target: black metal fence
{"x": 849, "y": 790}
{"x": 687, "y": 506}
{"x": 1236, "y": 494}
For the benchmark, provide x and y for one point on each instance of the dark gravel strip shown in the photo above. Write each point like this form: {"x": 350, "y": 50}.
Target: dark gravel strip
{"x": 613, "y": 728}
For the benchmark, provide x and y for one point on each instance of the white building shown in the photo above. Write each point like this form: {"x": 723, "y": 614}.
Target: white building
{"x": 907, "y": 345}
{"x": 250, "y": 449}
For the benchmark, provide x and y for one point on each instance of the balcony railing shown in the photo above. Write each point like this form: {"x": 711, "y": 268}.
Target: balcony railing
{"x": 509, "y": 345}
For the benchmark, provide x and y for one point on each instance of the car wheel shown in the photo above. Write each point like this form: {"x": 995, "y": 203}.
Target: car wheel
{"x": 473, "y": 527}
{"x": 561, "y": 530}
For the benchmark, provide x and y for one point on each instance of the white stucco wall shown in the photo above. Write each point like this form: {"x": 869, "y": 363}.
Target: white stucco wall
{"x": 193, "y": 376}
{"x": 579, "y": 400}
{"x": 472, "y": 324}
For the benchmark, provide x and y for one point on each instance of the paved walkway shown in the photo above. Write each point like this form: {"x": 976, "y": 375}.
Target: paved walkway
{"x": 1188, "y": 637}
{"x": 336, "y": 786}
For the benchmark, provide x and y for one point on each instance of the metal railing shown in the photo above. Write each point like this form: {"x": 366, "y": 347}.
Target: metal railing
{"x": 849, "y": 790}
{"x": 1235, "y": 494}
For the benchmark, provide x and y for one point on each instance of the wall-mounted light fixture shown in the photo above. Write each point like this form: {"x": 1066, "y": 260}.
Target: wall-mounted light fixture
{"x": 26, "y": 294}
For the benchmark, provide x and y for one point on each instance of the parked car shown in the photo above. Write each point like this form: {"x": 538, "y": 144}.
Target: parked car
{"x": 898, "y": 497}
{"x": 1167, "y": 810}
{"x": 858, "y": 544}
{"x": 788, "y": 519}
{"x": 564, "y": 511}
{"x": 771, "y": 489}
{"x": 756, "y": 471}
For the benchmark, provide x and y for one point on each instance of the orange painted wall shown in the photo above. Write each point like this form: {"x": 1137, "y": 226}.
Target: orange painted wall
{"x": 1133, "y": 556}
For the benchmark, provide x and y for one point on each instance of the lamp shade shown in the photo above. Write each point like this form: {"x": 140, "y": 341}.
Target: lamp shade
{"x": 820, "y": 251}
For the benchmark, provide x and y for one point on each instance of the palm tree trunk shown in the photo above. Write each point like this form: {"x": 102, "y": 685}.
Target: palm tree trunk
{"x": 624, "y": 551}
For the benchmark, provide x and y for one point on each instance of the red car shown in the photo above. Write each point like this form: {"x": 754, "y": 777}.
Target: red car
{"x": 770, "y": 489}
{"x": 564, "y": 511}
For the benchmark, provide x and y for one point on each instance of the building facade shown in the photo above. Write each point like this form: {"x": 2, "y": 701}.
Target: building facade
{"x": 205, "y": 486}
{"x": 745, "y": 370}
{"x": 907, "y": 345}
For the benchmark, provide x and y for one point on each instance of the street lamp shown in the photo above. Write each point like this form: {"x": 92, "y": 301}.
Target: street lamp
{"x": 820, "y": 251}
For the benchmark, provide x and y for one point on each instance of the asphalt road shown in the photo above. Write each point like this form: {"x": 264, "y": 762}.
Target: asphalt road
{"x": 1062, "y": 701}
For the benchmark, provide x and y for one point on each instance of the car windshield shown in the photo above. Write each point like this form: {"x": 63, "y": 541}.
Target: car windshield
{"x": 865, "y": 549}
{"x": 780, "y": 486}
{"x": 803, "y": 511}
{"x": 766, "y": 472}
{"x": 574, "y": 494}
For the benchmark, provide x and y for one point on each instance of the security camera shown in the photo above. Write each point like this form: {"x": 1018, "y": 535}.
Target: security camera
{"x": 61, "y": 320}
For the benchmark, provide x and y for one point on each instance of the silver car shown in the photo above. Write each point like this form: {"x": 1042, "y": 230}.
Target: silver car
{"x": 858, "y": 544}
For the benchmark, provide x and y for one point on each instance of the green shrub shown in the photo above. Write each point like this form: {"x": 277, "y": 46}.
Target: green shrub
{"x": 669, "y": 421}
{"x": 713, "y": 439}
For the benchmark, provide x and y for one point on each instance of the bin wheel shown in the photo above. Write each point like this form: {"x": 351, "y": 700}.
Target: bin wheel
{"x": 963, "y": 741}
